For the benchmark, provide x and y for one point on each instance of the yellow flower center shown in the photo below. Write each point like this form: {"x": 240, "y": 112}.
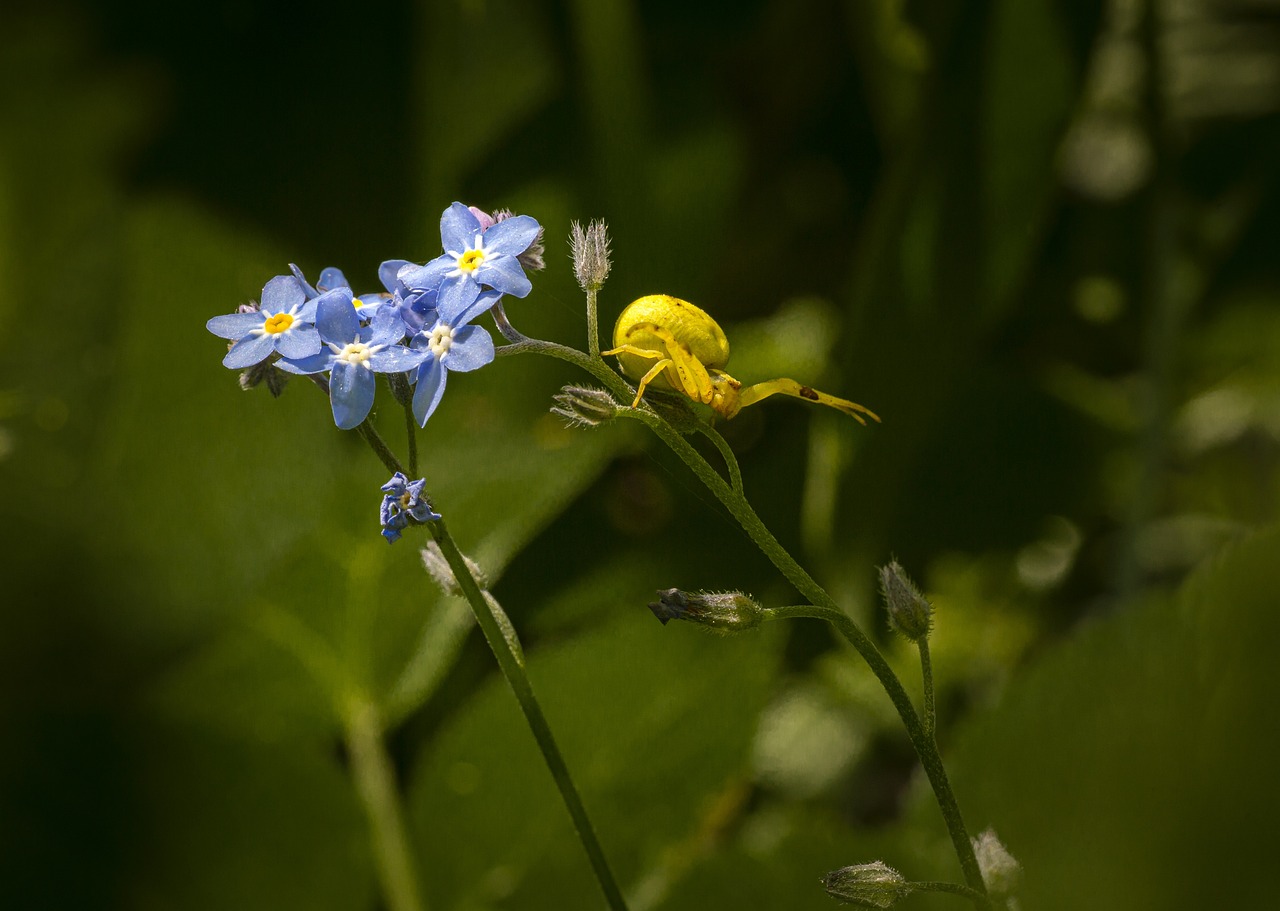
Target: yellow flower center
{"x": 406, "y": 499}
{"x": 471, "y": 260}
{"x": 279, "y": 322}
{"x": 357, "y": 303}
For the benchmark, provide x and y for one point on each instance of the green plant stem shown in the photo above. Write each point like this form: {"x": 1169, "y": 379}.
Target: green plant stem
{"x": 501, "y": 639}
{"x": 726, "y": 453}
{"x": 379, "y": 446}
{"x": 926, "y": 671}
{"x": 411, "y": 432}
{"x": 924, "y": 744}
{"x": 593, "y": 324}
{"x": 375, "y": 782}
{"x": 824, "y": 607}
{"x": 953, "y": 888}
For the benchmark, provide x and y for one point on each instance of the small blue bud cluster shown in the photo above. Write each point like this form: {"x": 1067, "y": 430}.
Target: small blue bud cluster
{"x": 403, "y": 505}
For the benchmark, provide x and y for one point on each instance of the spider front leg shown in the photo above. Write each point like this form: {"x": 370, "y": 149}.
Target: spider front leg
{"x": 784, "y": 386}
{"x": 663, "y": 363}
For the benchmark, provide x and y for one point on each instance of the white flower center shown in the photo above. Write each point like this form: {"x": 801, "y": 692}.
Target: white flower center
{"x": 441, "y": 340}
{"x": 357, "y": 353}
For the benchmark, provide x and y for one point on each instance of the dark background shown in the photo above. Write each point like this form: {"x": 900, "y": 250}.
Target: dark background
{"x": 1039, "y": 238}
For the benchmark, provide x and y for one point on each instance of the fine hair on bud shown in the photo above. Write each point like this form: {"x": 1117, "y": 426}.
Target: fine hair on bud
{"x": 1000, "y": 870}
{"x": 441, "y": 572}
{"x": 585, "y": 406}
{"x": 910, "y": 613}
{"x": 874, "y": 885}
{"x": 590, "y": 250}
{"x": 719, "y": 612}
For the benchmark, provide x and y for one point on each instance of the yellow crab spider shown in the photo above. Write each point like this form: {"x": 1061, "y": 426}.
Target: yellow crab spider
{"x": 667, "y": 343}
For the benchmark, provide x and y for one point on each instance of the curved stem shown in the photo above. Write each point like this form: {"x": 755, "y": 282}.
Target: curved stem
{"x": 375, "y": 782}
{"x": 726, "y": 453}
{"x": 501, "y": 638}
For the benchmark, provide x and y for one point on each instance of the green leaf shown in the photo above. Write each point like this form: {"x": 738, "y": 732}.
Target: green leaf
{"x": 1131, "y": 766}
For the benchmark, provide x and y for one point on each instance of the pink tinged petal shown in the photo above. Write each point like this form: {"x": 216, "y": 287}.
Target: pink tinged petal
{"x": 281, "y": 294}
{"x": 485, "y": 219}
{"x": 250, "y": 350}
{"x": 472, "y": 348}
{"x": 430, "y": 388}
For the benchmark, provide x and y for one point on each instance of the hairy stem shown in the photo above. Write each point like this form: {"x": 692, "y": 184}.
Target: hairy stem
{"x": 926, "y": 670}
{"x": 411, "y": 431}
{"x": 500, "y": 635}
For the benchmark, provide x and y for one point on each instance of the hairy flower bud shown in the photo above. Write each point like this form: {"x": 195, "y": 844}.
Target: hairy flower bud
{"x": 728, "y": 612}
{"x": 909, "y": 611}
{"x": 875, "y": 885}
{"x": 1000, "y": 871}
{"x": 439, "y": 570}
{"x": 584, "y": 406}
{"x": 590, "y": 249}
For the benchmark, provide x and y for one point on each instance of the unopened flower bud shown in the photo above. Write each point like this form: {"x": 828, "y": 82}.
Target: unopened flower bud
{"x": 590, "y": 248}
{"x": 266, "y": 374}
{"x": 584, "y": 406}
{"x": 728, "y": 612}
{"x": 875, "y": 885}
{"x": 910, "y": 613}
{"x": 1000, "y": 870}
{"x": 439, "y": 570}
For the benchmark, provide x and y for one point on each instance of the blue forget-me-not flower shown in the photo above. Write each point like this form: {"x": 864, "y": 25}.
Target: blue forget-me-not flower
{"x": 284, "y": 323}
{"x": 450, "y": 344}
{"x": 354, "y": 354}
{"x": 402, "y": 505}
{"x": 475, "y": 257}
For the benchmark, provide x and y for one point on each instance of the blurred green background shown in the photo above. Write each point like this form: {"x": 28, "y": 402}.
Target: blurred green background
{"x": 1039, "y": 238}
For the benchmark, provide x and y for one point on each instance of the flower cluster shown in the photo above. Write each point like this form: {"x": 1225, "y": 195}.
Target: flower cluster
{"x": 419, "y": 327}
{"x": 403, "y": 505}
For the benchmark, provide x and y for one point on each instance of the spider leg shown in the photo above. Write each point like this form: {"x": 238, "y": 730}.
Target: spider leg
{"x": 784, "y": 386}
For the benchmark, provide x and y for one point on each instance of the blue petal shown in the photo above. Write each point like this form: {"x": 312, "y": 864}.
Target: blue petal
{"x": 302, "y": 280}
{"x": 512, "y": 236}
{"x": 388, "y": 271}
{"x": 458, "y": 228}
{"x": 484, "y": 302}
{"x": 351, "y": 390}
{"x": 316, "y": 363}
{"x": 426, "y": 278}
{"x": 235, "y": 325}
{"x": 397, "y": 359}
{"x": 250, "y": 350}
{"x": 331, "y": 278}
{"x": 456, "y": 297}
{"x": 426, "y": 395}
{"x": 388, "y": 326}
{"x": 336, "y": 319}
{"x": 472, "y": 348}
{"x": 504, "y": 273}
{"x": 301, "y": 340}
{"x": 282, "y": 293}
